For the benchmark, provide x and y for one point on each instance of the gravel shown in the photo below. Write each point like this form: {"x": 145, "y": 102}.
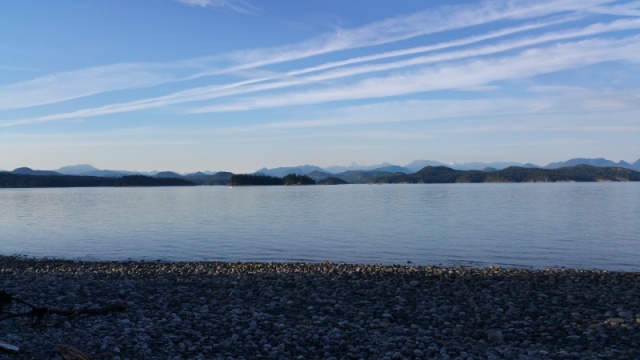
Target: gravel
{"x": 216, "y": 310}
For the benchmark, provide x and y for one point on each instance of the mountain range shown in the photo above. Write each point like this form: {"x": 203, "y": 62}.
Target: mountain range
{"x": 418, "y": 165}
{"x": 353, "y": 171}
{"x": 428, "y": 172}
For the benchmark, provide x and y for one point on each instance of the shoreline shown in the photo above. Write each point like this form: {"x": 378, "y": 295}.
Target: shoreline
{"x": 250, "y": 310}
{"x": 621, "y": 268}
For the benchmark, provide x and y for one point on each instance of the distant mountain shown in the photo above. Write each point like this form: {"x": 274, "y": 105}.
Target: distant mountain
{"x": 498, "y": 165}
{"x": 530, "y": 166}
{"x": 168, "y": 174}
{"x": 355, "y": 167}
{"x": 394, "y": 169}
{"x": 284, "y": 171}
{"x": 219, "y": 178}
{"x": 354, "y": 176}
{"x": 88, "y": 170}
{"x": 319, "y": 175}
{"x": 29, "y": 171}
{"x": 353, "y": 173}
{"x": 80, "y": 169}
{"x": 417, "y": 165}
{"x": 599, "y": 162}
{"x": 445, "y": 175}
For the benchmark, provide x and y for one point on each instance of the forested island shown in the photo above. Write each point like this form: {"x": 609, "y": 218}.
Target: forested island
{"x": 258, "y": 179}
{"x": 428, "y": 175}
{"x": 9, "y": 180}
{"x": 514, "y": 174}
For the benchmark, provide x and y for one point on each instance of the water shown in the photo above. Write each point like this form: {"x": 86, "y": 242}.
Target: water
{"x": 577, "y": 225}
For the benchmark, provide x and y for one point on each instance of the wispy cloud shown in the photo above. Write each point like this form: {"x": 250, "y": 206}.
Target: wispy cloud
{"x": 528, "y": 63}
{"x": 545, "y": 107}
{"x": 416, "y": 110}
{"x": 420, "y": 73}
{"x": 85, "y": 82}
{"x": 238, "y": 6}
{"x": 626, "y": 9}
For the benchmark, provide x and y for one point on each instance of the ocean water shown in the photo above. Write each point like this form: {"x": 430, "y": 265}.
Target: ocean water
{"x": 536, "y": 225}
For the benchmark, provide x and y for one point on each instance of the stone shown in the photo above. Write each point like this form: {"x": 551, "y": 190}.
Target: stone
{"x": 495, "y": 336}
{"x": 216, "y": 310}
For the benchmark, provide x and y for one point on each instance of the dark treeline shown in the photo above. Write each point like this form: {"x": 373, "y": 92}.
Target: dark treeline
{"x": 442, "y": 175}
{"x": 294, "y": 179}
{"x": 428, "y": 175}
{"x": 257, "y": 179}
{"x": 9, "y": 180}
{"x": 219, "y": 178}
{"x": 142, "y": 180}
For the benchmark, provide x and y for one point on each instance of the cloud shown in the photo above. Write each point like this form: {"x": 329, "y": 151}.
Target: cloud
{"x": 66, "y": 86}
{"x": 410, "y": 26}
{"x": 528, "y": 63}
{"x": 238, "y": 6}
{"x": 70, "y": 85}
{"x": 552, "y": 109}
{"x": 266, "y": 82}
{"x": 627, "y": 9}
{"x": 417, "y": 110}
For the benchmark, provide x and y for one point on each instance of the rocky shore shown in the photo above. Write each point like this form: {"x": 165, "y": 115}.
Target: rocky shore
{"x": 211, "y": 310}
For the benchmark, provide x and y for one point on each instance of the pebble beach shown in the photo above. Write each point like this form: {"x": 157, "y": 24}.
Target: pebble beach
{"x": 217, "y": 310}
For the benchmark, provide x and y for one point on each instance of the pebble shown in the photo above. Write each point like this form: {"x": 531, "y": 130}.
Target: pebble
{"x": 217, "y": 310}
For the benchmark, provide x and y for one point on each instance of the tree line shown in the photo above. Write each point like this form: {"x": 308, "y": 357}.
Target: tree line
{"x": 259, "y": 179}
{"x": 443, "y": 175}
{"x": 9, "y": 180}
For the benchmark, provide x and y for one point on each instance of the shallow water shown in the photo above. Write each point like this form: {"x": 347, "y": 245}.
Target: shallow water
{"x": 578, "y": 225}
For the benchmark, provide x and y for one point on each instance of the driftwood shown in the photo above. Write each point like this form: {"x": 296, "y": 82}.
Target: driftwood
{"x": 6, "y": 347}
{"x": 38, "y": 313}
{"x": 71, "y": 353}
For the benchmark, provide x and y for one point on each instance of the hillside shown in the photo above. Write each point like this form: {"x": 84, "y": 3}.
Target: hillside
{"x": 261, "y": 180}
{"x": 580, "y": 173}
{"x": 11, "y": 180}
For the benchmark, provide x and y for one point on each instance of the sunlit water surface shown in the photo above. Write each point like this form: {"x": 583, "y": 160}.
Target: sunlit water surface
{"x": 577, "y": 225}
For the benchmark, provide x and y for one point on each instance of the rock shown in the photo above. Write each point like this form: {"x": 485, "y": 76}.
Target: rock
{"x": 627, "y": 315}
{"x": 495, "y": 336}
{"x": 215, "y": 310}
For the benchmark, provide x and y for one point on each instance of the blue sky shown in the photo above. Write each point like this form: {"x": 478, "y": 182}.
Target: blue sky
{"x": 236, "y": 85}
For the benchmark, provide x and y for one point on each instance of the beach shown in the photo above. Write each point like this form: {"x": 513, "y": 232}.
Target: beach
{"x": 224, "y": 310}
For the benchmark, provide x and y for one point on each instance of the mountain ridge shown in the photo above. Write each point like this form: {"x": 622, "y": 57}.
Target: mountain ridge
{"x": 427, "y": 175}
{"x": 319, "y": 173}
{"x": 417, "y": 165}
{"x": 512, "y": 174}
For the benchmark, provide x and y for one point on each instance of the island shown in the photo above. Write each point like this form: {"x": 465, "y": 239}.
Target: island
{"x": 27, "y": 178}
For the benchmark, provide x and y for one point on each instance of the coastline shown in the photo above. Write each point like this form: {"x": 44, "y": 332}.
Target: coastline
{"x": 212, "y": 310}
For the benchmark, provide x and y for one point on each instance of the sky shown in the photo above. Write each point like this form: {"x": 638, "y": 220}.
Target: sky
{"x": 237, "y": 85}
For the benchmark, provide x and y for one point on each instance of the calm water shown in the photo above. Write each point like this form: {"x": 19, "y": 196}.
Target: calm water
{"x": 584, "y": 225}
